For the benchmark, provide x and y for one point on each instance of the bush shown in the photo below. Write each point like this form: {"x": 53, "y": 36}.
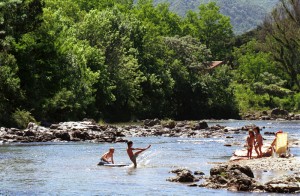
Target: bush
{"x": 22, "y": 117}
{"x": 296, "y": 99}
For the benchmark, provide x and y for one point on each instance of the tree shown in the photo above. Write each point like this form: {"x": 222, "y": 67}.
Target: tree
{"x": 212, "y": 28}
{"x": 113, "y": 33}
{"x": 16, "y": 19}
{"x": 282, "y": 36}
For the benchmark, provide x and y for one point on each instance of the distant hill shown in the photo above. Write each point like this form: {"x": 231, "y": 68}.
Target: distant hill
{"x": 245, "y": 14}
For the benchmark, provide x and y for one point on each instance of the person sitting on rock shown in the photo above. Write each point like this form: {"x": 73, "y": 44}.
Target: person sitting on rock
{"x": 258, "y": 142}
{"x": 273, "y": 146}
{"x": 108, "y": 157}
{"x": 250, "y": 143}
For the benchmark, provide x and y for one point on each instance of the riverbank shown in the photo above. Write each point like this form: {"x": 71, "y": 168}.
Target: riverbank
{"x": 270, "y": 164}
{"x": 88, "y": 130}
{"x": 240, "y": 176}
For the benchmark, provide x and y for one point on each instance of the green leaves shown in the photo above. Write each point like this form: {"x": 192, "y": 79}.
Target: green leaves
{"x": 212, "y": 28}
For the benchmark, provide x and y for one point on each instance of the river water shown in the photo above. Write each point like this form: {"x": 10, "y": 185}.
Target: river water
{"x": 71, "y": 168}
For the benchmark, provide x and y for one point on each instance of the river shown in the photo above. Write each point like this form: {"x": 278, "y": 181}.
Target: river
{"x": 71, "y": 168}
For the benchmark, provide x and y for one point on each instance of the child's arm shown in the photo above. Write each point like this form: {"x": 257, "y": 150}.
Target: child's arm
{"x": 137, "y": 149}
{"x": 112, "y": 159}
{"x": 104, "y": 157}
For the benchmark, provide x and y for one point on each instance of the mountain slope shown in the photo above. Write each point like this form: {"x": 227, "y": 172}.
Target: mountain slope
{"x": 245, "y": 15}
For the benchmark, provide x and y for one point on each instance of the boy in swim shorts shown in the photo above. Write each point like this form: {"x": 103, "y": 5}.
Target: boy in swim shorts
{"x": 108, "y": 157}
{"x": 133, "y": 155}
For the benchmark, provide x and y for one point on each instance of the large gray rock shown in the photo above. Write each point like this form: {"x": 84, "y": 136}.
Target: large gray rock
{"x": 183, "y": 175}
{"x": 276, "y": 112}
{"x": 233, "y": 177}
{"x": 284, "y": 184}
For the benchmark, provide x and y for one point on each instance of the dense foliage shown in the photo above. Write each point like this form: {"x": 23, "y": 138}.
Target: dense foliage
{"x": 244, "y": 14}
{"x": 120, "y": 60}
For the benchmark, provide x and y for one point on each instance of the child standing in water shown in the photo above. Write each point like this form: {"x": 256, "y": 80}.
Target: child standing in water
{"x": 133, "y": 155}
{"x": 250, "y": 142}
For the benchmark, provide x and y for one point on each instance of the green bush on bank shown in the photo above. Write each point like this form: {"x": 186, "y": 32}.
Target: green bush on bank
{"x": 22, "y": 118}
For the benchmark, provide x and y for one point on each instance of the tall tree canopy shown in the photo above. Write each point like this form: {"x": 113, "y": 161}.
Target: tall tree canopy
{"x": 282, "y": 35}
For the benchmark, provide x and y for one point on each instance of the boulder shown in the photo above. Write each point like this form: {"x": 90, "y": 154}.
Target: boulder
{"x": 279, "y": 112}
{"x": 63, "y": 136}
{"x": 200, "y": 125}
{"x": 151, "y": 122}
{"x": 183, "y": 175}
{"x": 284, "y": 184}
{"x": 199, "y": 173}
{"x": 244, "y": 169}
{"x": 234, "y": 177}
{"x": 29, "y": 133}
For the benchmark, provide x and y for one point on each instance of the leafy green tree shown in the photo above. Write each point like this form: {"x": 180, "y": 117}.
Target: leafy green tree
{"x": 16, "y": 19}
{"x": 212, "y": 28}
{"x": 159, "y": 20}
{"x": 258, "y": 82}
{"x": 281, "y": 32}
{"x": 113, "y": 34}
{"x": 10, "y": 91}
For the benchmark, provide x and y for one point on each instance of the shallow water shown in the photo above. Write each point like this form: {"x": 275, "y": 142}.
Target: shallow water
{"x": 71, "y": 168}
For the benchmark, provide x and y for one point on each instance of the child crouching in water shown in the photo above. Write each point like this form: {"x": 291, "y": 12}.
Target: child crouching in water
{"x": 108, "y": 157}
{"x": 250, "y": 143}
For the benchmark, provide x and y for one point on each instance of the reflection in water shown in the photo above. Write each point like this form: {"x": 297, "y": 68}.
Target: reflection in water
{"x": 131, "y": 170}
{"x": 19, "y": 167}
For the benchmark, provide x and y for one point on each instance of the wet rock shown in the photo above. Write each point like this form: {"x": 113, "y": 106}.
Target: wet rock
{"x": 80, "y": 135}
{"x": 234, "y": 177}
{"x": 28, "y": 133}
{"x": 63, "y": 136}
{"x": 200, "y": 125}
{"x": 183, "y": 175}
{"x": 199, "y": 173}
{"x": 179, "y": 170}
{"x": 284, "y": 184}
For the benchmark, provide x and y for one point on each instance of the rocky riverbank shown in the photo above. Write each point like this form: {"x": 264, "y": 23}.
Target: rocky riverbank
{"x": 240, "y": 177}
{"x": 88, "y": 130}
{"x": 274, "y": 114}
{"x": 271, "y": 164}
{"x": 66, "y": 131}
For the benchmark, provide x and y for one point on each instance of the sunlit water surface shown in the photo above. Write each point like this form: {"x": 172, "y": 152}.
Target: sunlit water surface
{"x": 71, "y": 168}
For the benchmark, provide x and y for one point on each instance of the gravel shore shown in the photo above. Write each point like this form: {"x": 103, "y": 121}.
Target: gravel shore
{"x": 271, "y": 164}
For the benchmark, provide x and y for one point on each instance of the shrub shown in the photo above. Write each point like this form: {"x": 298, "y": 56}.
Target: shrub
{"x": 22, "y": 117}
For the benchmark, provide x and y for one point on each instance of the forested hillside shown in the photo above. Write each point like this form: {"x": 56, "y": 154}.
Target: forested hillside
{"x": 120, "y": 60}
{"x": 244, "y": 14}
